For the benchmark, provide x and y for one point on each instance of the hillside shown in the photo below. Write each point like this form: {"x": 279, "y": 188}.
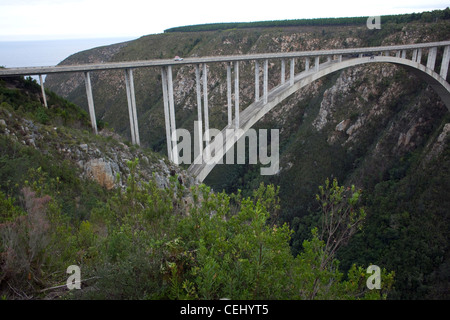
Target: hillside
{"x": 54, "y": 175}
{"x": 375, "y": 126}
{"x": 86, "y": 216}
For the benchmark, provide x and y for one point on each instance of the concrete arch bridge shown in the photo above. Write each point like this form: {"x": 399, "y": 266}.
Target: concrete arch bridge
{"x": 420, "y": 59}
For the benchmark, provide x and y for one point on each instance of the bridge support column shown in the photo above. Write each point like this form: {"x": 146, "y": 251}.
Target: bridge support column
{"x": 44, "y": 97}
{"x": 132, "y": 106}
{"x": 256, "y": 80}
{"x": 167, "y": 113}
{"x": 292, "y": 72}
{"x": 340, "y": 58}
{"x": 403, "y": 54}
{"x": 199, "y": 111}
{"x": 90, "y": 99}
{"x": 236, "y": 94}
{"x": 229, "y": 101}
{"x": 172, "y": 113}
{"x": 307, "y": 64}
{"x": 431, "y": 61}
{"x": 283, "y": 71}
{"x": 205, "y": 103}
{"x": 397, "y": 54}
{"x": 316, "y": 64}
{"x": 266, "y": 80}
{"x": 419, "y": 56}
{"x": 445, "y": 61}
{"x": 414, "y": 55}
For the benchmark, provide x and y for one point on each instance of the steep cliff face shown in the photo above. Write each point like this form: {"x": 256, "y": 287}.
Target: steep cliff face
{"x": 375, "y": 126}
{"x": 103, "y": 160}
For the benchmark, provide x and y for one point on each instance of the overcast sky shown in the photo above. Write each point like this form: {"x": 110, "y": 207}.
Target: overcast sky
{"x": 67, "y": 19}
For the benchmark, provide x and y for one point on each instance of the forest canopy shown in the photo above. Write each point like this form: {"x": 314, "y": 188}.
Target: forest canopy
{"x": 427, "y": 16}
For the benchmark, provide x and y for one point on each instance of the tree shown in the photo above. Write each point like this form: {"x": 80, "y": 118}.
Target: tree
{"x": 341, "y": 218}
{"x": 341, "y": 215}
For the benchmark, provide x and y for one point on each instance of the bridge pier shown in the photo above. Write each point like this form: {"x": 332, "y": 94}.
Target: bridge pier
{"x": 431, "y": 61}
{"x": 236, "y": 94}
{"x": 306, "y": 64}
{"x": 166, "y": 112}
{"x": 44, "y": 97}
{"x": 316, "y": 64}
{"x": 205, "y": 103}
{"x": 292, "y": 72}
{"x": 199, "y": 109}
{"x": 283, "y": 71}
{"x": 256, "y": 80}
{"x": 229, "y": 100}
{"x": 169, "y": 112}
{"x": 419, "y": 56}
{"x": 266, "y": 80}
{"x": 90, "y": 99}
{"x": 129, "y": 83}
{"x": 173, "y": 127}
{"x": 414, "y": 55}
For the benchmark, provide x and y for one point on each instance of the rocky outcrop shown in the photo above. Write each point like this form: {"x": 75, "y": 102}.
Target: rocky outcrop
{"x": 101, "y": 171}
{"x": 439, "y": 145}
{"x": 102, "y": 158}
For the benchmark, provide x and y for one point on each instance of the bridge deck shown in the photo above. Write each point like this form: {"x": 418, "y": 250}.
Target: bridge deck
{"x": 169, "y": 62}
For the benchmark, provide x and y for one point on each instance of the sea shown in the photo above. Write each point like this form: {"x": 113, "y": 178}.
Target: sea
{"x": 47, "y": 52}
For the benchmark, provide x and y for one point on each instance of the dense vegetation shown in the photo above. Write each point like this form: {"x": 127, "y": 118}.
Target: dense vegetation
{"x": 146, "y": 242}
{"x": 400, "y": 18}
{"x": 407, "y": 226}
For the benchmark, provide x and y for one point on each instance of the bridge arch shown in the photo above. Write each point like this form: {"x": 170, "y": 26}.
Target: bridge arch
{"x": 255, "y": 111}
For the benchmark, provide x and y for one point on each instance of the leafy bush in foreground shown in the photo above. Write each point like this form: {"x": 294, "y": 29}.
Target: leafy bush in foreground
{"x": 152, "y": 243}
